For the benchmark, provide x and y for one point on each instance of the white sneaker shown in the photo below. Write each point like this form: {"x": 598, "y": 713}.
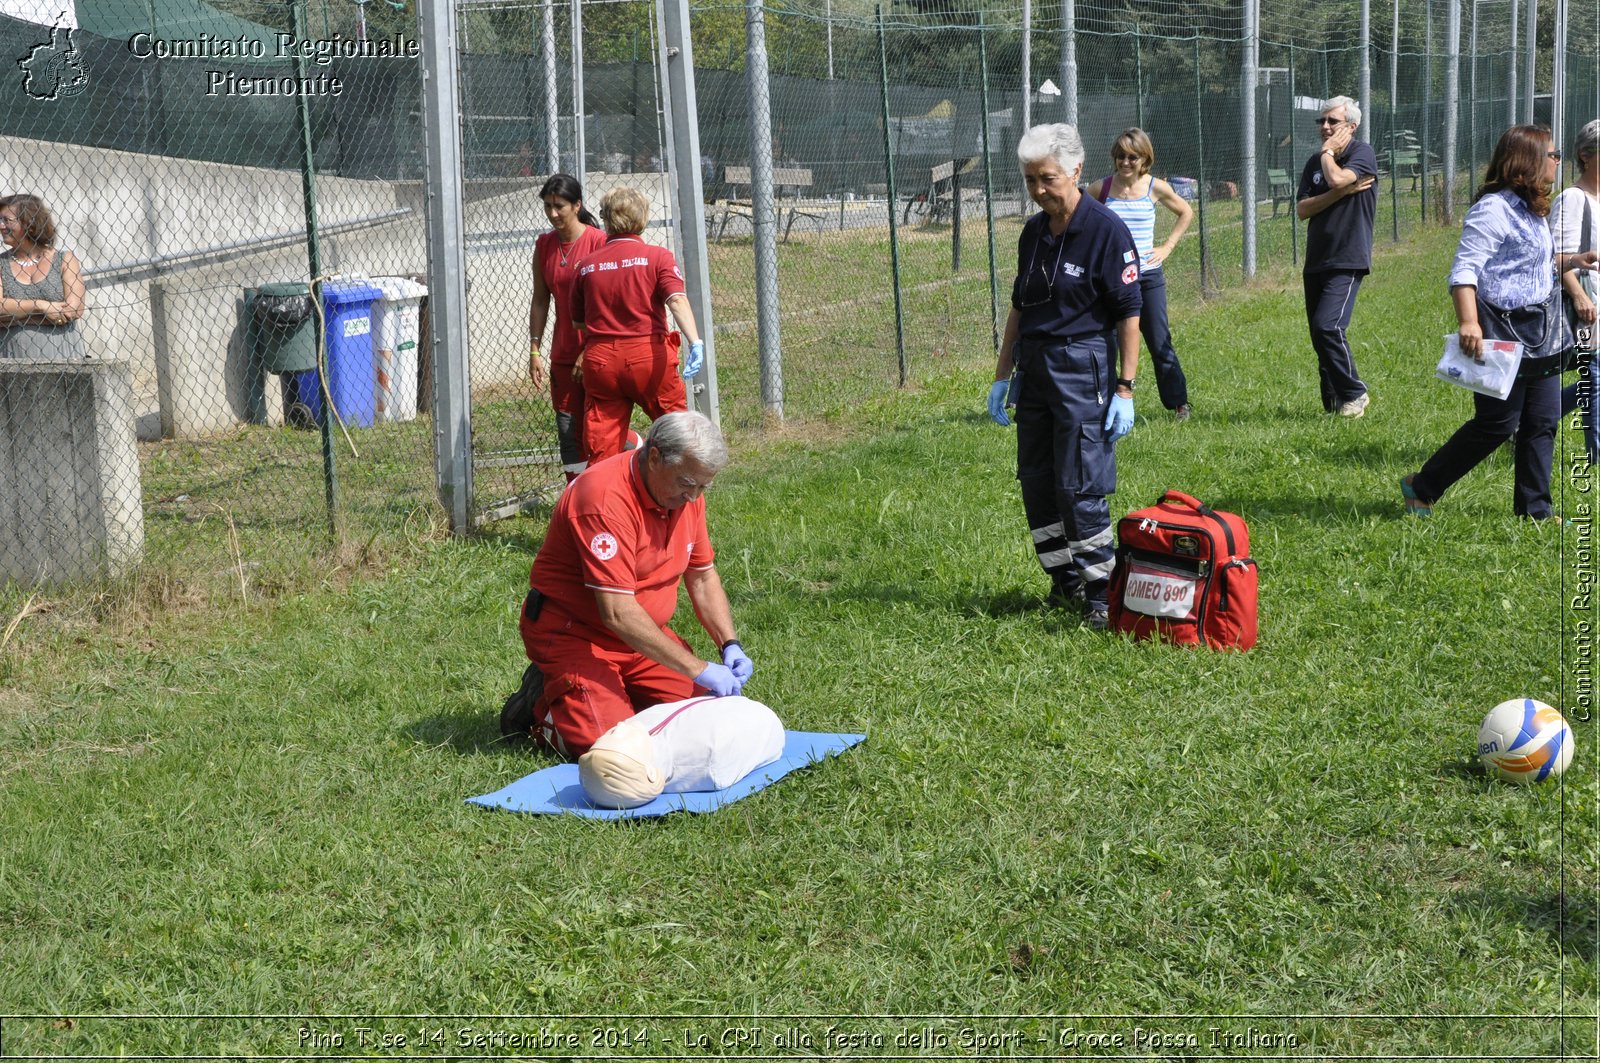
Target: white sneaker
{"x": 1356, "y": 406}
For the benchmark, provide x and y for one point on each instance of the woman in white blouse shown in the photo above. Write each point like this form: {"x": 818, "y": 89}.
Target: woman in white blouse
{"x": 1501, "y": 282}
{"x": 1575, "y": 210}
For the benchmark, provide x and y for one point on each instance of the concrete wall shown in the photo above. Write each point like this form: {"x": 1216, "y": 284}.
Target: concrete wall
{"x": 177, "y": 323}
{"x": 69, "y": 471}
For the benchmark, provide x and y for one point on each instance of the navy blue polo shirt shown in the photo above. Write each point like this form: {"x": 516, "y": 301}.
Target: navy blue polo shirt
{"x": 1340, "y": 237}
{"x": 1080, "y": 283}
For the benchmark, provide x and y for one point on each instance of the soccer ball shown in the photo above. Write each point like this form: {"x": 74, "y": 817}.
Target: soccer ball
{"x": 632, "y": 441}
{"x": 1523, "y": 740}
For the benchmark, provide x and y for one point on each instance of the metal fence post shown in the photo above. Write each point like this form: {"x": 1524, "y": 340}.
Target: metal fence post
{"x": 579, "y": 147}
{"x": 1514, "y": 82}
{"x": 1394, "y": 120}
{"x": 1069, "y": 60}
{"x": 1427, "y": 105}
{"x": 682, "y": 128}
{"x": 552, "y": 103}
{"x": 1365, "y": 91}
{"x": 1247, "y": 126}
{"x": 894, "y": 229}
{"x": 988, "y": 183}
{"x": 1027, "y": 85}
{"x": 452, "y": 389}
{"x": 1531, "y": 62}
{"x": 308, "y": 185}
{"x": 1452, "y": 105}
{"x": 1200, "y": 180}
{"x": 763, "y": 220}
{"x": 1294, "y": 218}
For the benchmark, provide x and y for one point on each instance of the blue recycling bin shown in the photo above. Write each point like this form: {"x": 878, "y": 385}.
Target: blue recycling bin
{"x": 347, "y": 306}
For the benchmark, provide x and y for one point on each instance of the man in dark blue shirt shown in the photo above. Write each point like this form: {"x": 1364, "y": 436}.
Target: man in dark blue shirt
{"x": 1338, "y": 193}
{"x": 1075, "y": 297}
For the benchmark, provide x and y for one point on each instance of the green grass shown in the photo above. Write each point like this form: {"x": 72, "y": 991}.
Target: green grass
{"x": 260, "y": 811}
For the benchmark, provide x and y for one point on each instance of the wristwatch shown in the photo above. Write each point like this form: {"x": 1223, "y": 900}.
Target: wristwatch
{"x": 1123, "y": 382}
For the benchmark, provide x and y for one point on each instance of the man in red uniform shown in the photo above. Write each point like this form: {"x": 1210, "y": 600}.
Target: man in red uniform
{"x": 605, "y": 584}
{"x": 619, "y": 304}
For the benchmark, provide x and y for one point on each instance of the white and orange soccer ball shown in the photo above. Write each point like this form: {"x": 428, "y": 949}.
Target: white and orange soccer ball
{"x": 1524, "y": 741}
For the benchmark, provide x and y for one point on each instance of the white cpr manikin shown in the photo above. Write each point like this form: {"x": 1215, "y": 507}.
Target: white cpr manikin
{"x": 680, "y": 747}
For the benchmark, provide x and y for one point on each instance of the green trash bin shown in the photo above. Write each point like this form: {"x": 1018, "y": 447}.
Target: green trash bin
{"x": 280, "y": 337}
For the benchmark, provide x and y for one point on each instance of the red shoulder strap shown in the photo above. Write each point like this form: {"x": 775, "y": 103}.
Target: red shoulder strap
{"x": 1105, "y": 189}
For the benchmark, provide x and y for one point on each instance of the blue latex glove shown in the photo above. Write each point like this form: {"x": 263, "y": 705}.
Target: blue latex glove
{"x": 738, "y": 661}
{"x": 696, "y": 360}
{"x": 1119, "y": 418}
{"x": 997, "y": 401}
{"x": 720, "y": 680}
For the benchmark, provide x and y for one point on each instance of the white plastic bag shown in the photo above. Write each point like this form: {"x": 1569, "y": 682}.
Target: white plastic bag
{"x": 1491, "y": 374}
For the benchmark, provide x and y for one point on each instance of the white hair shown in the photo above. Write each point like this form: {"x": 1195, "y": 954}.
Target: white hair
{"x": 1352, "y": 109}
{"x": 686, "y": 434}
{"x": 1588, "y": 144}
{"x": 1057, "y": 141}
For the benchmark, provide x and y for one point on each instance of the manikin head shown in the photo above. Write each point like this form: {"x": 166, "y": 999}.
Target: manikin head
{"x": 619, "y": 771}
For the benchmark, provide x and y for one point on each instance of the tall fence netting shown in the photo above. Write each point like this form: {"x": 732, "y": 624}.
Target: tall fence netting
{"x": 205, "y": 164}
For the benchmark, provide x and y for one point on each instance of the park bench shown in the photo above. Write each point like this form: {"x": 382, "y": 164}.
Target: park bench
{"x": 787, "y": 183}
{"x": 938, "y": 202}
{"x": 1406, "y": 163}
{"x": 1280, "y": 188}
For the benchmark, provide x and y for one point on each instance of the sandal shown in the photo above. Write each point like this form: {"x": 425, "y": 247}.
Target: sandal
{"x": 1415, "y": 506}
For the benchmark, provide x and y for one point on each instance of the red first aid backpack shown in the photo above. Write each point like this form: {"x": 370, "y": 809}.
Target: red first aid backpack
{"x": 1184, "y": 574}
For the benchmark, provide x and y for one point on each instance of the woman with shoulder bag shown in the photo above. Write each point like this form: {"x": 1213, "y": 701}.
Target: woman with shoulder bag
{"x": 1503, "y": 283}
{"x": 1575, "y": 225}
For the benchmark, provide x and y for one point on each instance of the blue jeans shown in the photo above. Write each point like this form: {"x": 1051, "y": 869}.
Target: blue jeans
{"x": 1171, "y": 384}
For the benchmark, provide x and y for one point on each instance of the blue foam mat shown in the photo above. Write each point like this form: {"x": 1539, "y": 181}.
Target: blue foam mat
{"x": 555, "y": 791}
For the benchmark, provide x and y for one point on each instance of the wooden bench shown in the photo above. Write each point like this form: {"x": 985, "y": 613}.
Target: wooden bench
{"x": 1406, "y": 163}
{"x": 1280, "y": 188}
{"x": 938, "y": 202}
{"x": 787, "y": 183}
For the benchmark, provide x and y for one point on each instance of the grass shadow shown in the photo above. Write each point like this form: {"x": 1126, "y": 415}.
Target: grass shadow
{"x": 1569, "y": 922}
{"x": 470, "y": 733}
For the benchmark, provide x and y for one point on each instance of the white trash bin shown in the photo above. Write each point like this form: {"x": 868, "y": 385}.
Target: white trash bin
{"x": 395, "y": 334}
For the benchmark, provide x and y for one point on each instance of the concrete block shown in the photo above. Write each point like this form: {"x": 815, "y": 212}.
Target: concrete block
{"x": 70, "y": 502}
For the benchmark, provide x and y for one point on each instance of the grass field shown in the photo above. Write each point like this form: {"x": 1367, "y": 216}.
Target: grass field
{"x": 1051, "y": 839}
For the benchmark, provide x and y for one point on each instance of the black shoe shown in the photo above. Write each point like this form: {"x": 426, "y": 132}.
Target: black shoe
{"x": 1098, "y": 618}
{"x": 516, "y": 717}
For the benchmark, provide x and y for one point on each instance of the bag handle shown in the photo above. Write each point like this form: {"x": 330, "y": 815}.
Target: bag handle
{"x": 1184, "y": 500}
{"x": 1105, "y": 190}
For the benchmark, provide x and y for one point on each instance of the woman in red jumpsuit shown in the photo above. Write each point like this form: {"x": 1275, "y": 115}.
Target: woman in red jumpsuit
{"x": 573, "y": 236}
{"x": 619, "y": 305}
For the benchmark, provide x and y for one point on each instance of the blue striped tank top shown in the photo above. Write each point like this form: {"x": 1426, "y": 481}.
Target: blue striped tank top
{"x": 1139, "y": 215}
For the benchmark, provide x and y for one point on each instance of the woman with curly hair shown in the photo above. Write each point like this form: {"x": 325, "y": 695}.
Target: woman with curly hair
{"x": 41, "y": 286}
{"x": 1502, "y": 283}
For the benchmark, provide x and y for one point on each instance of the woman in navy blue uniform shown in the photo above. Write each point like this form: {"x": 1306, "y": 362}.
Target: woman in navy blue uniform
{"x": 1068, "y": 359}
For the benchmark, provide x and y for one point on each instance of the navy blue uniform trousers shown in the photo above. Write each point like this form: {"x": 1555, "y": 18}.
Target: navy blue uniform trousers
{"x": 1066, "y": 463}
{"x": 1330, "y": 300}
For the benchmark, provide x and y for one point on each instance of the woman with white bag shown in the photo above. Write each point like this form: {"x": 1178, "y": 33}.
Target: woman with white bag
{"x": 1575, "y": 224}
{"x": 1503, "y": 284}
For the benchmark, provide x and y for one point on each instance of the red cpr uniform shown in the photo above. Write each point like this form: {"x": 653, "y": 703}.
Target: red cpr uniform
{"x": 629, "y": 355}
{"x": 558, "y": 263}
{"x": 607, "y": 535}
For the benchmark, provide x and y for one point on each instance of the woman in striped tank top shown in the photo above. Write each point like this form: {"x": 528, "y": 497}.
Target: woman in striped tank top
{"x": 1132, "y": 192}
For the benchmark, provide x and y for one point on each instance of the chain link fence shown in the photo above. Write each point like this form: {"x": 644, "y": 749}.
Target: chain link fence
{"x": 206, "y": 164}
